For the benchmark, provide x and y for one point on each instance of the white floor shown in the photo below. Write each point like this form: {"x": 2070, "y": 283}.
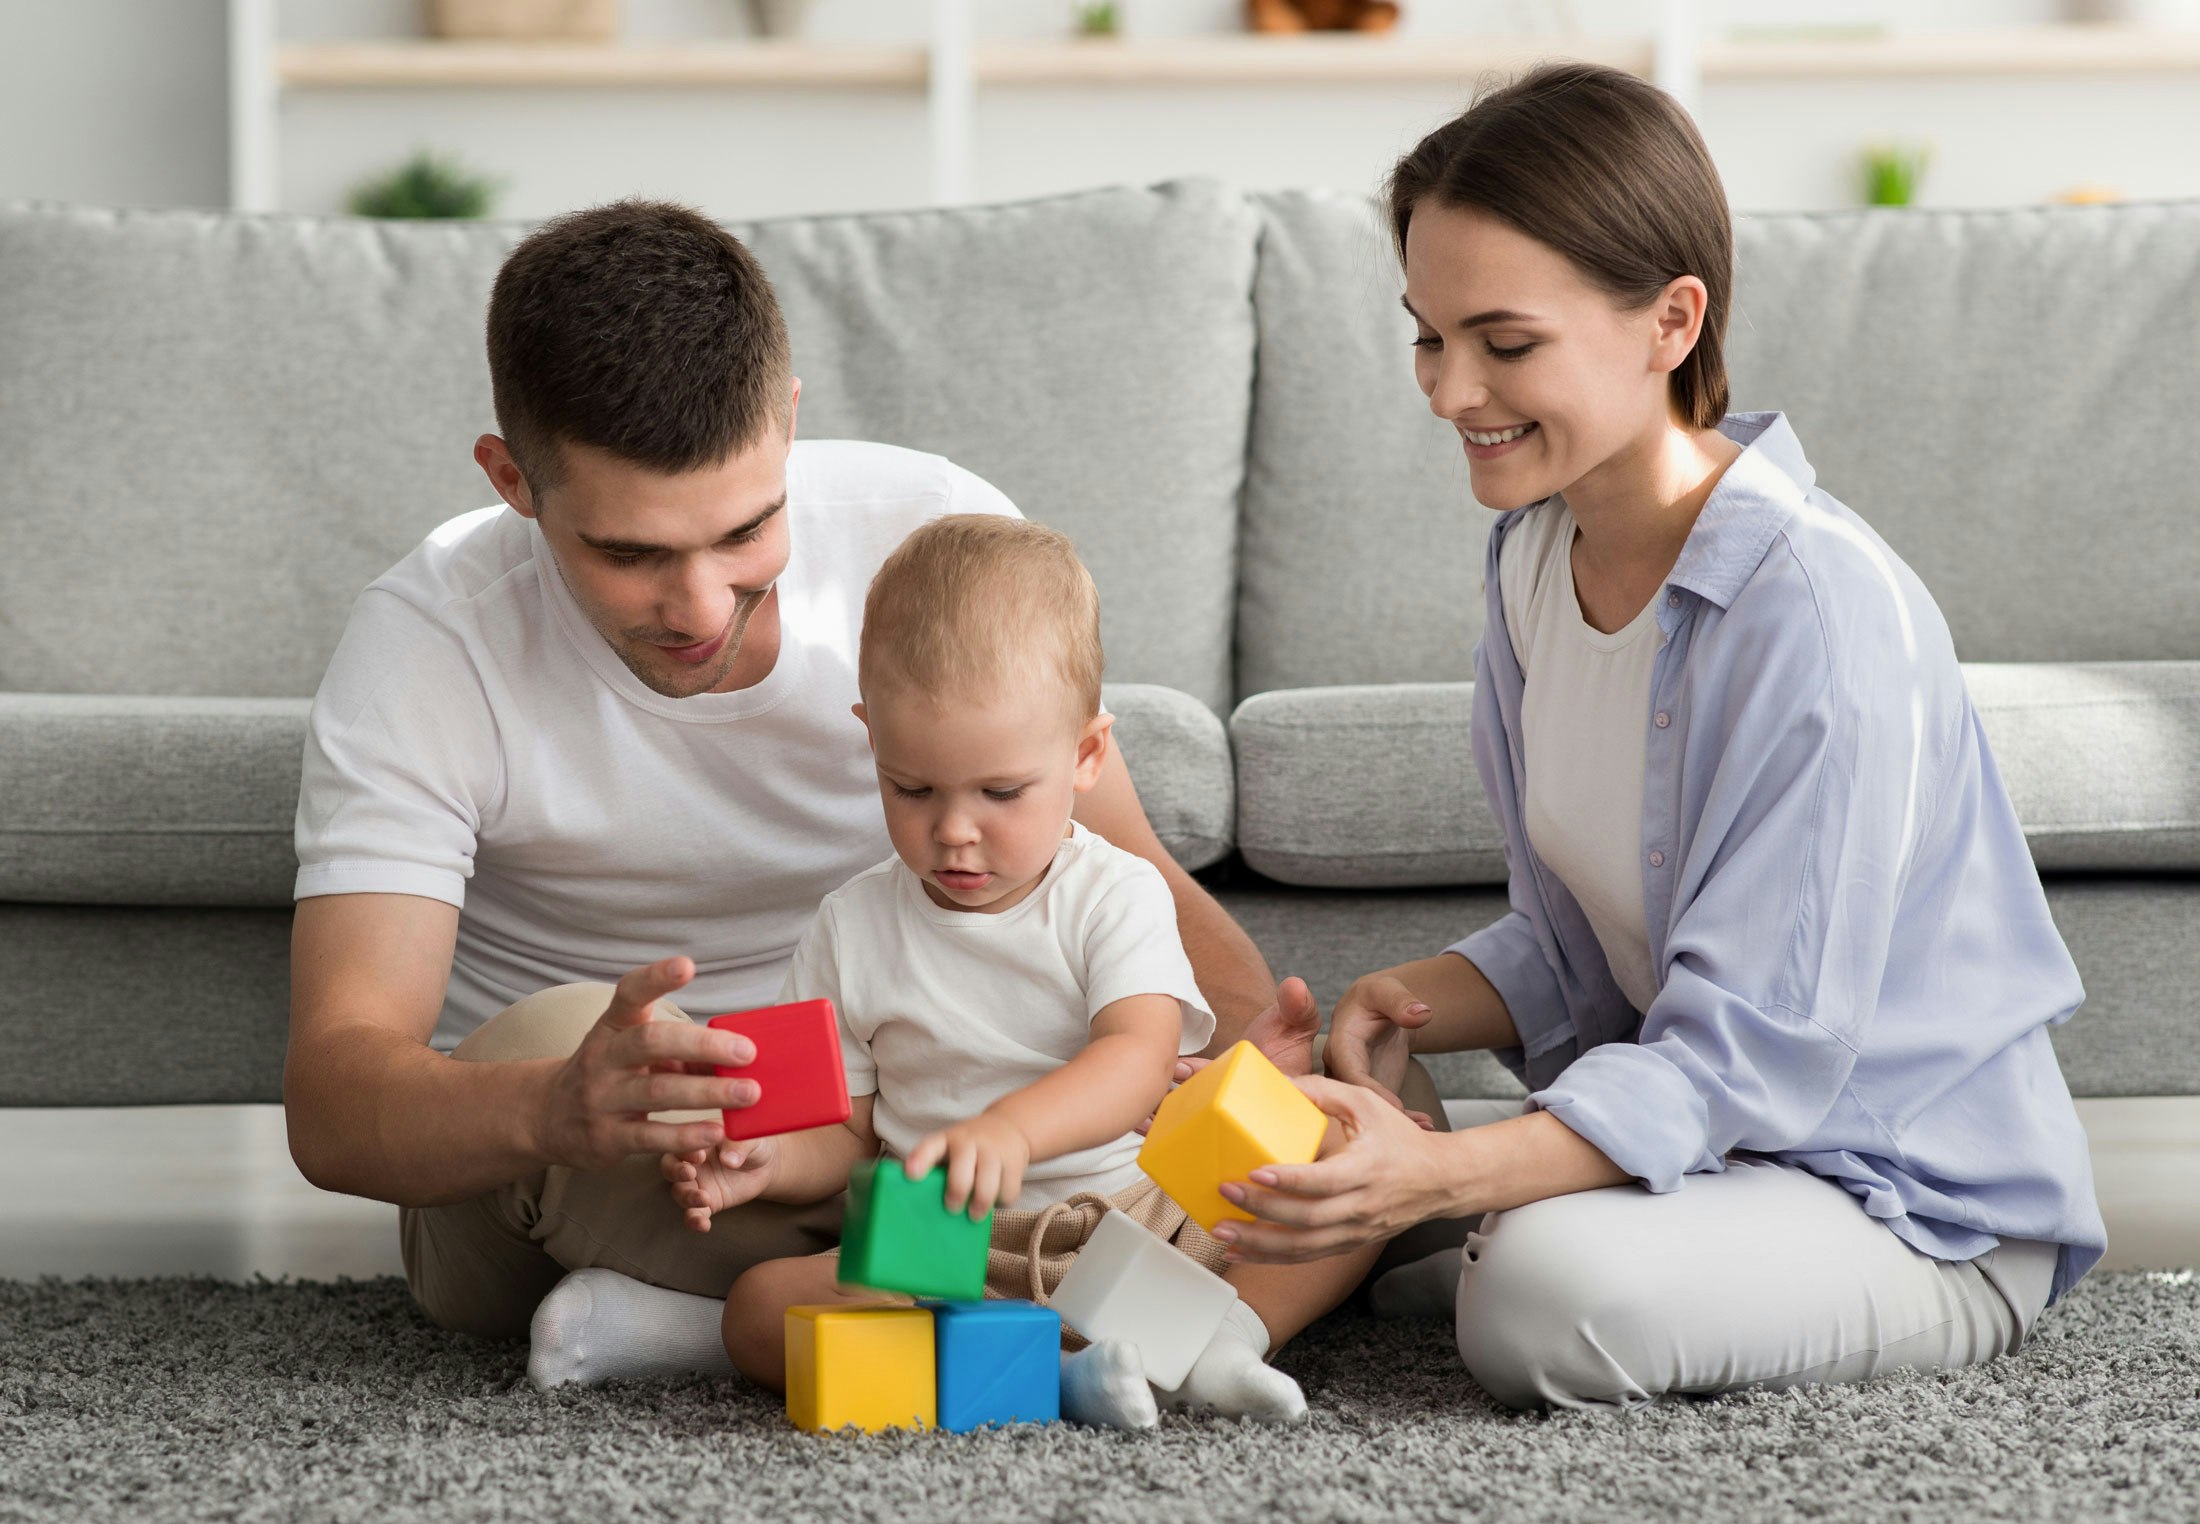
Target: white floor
{"x": 210, "y": 1190}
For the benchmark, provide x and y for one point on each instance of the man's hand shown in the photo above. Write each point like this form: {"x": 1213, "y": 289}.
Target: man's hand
{"x": 986, "y": 1157}
{"x": 597, "y": 1111}
{"x": 708, "y": 1181}
{"x": 1371, "y": 1035}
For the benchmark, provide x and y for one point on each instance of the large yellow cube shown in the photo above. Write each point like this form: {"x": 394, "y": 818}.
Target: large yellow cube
{"x": 1223, "y": 1123}
{"x": 869, "y": 1368}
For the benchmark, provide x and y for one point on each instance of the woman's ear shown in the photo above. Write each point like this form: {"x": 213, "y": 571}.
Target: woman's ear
{"x": 1679, "y": 313}
{"x": 1092, "y": 752}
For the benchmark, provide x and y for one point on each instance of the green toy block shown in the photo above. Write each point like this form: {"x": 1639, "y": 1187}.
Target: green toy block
{"x": 899, "y": 1236}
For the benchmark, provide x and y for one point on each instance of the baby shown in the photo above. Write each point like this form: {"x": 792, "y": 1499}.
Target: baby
{"x": 1013, "y": 995}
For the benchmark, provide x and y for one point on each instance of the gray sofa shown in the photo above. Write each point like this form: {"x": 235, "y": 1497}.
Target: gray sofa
{"x": 215, "y": 430}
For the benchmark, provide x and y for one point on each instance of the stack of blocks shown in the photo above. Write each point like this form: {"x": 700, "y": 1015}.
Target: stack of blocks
{"x": 957, "y": 1361}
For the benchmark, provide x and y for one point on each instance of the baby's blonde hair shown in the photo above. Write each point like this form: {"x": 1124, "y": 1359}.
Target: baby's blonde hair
{"x": 973, "y": 599}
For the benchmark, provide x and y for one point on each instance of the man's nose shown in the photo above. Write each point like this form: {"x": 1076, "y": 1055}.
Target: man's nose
{"x": 697, "y": 602}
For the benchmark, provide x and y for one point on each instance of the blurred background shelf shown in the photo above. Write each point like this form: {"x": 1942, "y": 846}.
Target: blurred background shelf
{"x": 1221, "y": 60}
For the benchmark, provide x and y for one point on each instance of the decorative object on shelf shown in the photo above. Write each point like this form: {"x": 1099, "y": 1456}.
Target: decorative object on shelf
{"x": 530, "y": 20}
{"x": 1321, "y": 15}
{"x": 1099, "y": 18}
{"x": 779, "y": 18}
{"x": 1892, "y": 172}
{"x": 2087, "y": 195}
{"x": 425, "y": 185}
{"x": 2157, "y": 15}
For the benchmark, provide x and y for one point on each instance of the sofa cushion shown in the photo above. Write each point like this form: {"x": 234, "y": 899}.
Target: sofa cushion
{"x": 1364, "y": 787}
{"x": 1354, "y": 787}
{"x": 190, "y": 801}
{"x": 148, "y": 801}
{"x": 2102, "y": 759}
{"x": 225, "y": 427}
{"x": 1362, "y": 543}
{"x": 2006, "y": 396}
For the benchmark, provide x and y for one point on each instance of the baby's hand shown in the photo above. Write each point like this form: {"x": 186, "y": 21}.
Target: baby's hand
{"x": 710, "y": 1180}
{"x": 985, "y": 1162}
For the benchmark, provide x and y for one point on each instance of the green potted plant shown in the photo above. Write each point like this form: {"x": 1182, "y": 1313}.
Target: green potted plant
{"x": 1892, "y": 172}
{"x": 425, "y": 185}
{"x": 1098, "y": 18}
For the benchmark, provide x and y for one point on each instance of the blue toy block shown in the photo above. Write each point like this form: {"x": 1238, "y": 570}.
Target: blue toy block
{"x": 999, "y": 1362}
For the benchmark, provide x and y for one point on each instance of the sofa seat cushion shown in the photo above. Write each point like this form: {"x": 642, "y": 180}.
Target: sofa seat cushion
{"x": 2102, "y": 759}
{"x": 1365, "y": 787}
{"x": 190, "y": 801}
{"x": 148, "y": 801}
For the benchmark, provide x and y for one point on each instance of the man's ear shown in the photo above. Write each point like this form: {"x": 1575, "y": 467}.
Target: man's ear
{"x": 1092, "y": 752}
{"x": 495, "y": 459}
{"x": 793, "y": 403}
{"x": 858, "y": 711}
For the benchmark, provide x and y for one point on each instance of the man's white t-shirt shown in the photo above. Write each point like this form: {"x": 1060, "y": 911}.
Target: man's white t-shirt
{"x": 943, "y": 1012}
{"x": 476, "y": 741}
{"x": 1584, "y": 719}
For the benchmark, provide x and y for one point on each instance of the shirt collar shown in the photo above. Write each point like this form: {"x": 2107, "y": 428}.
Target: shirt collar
{"x": 1758, "y": 493}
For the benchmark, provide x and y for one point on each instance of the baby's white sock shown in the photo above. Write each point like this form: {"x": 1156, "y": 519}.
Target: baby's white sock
{"x": 1233, "y": 1376}
{"x": 1423, "y": 1288}
{"x": 1105, "y": 1385}
{"x": 598, "y": 1325}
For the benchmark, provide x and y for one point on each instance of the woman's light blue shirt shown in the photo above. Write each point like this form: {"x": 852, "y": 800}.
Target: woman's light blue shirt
{"x": 1857, "y": 965}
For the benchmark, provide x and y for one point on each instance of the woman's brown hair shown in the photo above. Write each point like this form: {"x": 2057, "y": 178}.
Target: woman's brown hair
{"x": 1608, "y": 170}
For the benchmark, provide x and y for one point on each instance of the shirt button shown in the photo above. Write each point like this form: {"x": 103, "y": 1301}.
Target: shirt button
{"x": 1673, "y": 600}
{"x": 1664, "y": 719}
{"x": 1657, "y": 859}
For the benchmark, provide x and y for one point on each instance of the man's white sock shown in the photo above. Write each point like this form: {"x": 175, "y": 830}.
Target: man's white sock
{"x": 1105, "y": 1385}
{"x": 1233, "y": 1376}
{"x": 1424, "y": 1288}
{"x": 598, "y": 1325}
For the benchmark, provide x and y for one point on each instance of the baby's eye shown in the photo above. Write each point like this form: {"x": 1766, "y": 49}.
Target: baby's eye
{"x": 910, "y": 793}
{"x": 1004, "y": 795}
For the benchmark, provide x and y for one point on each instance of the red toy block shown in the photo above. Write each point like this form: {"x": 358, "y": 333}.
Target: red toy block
{"x": 797, "y": 1068}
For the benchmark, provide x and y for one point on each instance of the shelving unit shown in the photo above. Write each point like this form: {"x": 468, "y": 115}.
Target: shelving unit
{"x": 951, "y": 67}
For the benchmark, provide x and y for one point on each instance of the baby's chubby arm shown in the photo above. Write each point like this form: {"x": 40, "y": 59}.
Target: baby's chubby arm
{"x": 794, "y": 1167}
{"x": 1104, "y": 1092}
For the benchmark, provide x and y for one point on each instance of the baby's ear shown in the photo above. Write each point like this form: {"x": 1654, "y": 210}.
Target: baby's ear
{"x": 1092, "y": 751}
{"x": 865, "y": 721}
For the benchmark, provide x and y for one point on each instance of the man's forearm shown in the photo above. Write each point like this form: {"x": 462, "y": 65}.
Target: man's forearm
{"x": 1231, "y": 972}
{"x": 373, "y": 1113}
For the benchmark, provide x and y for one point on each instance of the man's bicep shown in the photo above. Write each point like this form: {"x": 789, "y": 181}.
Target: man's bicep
{"x": 381, "y": 959}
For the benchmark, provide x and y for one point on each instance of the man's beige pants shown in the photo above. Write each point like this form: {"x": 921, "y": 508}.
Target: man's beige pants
{"x": 481, "y": 1266}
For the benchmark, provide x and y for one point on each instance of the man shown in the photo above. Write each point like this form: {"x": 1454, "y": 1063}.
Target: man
{"x": 559, "y": 743}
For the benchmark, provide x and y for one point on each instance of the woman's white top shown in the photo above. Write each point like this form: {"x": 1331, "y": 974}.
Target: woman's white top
{"x": 1585, "y": 717}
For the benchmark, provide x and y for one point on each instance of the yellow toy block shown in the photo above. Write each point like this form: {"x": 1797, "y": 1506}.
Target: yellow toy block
{"x": 863, "y": 1367}
{"x": 1223, "y": 1123}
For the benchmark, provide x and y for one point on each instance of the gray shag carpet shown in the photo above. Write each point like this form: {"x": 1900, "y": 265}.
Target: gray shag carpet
{"x": 193, "y": 1399}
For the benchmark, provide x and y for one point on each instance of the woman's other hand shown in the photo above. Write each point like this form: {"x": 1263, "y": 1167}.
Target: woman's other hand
{"x": 1371, "y": 1034}
{"x": 1379, "y": 1175}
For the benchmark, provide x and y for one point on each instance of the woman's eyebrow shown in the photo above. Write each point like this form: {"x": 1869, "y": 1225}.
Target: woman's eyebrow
{"x": 1479, "y": 320}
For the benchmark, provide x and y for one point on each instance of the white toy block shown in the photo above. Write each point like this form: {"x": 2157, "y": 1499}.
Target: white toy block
{"x": 1127, "y": 1284}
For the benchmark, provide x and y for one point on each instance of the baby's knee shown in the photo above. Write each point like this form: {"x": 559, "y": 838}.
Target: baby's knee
{"x": 1546, "y": 1305}
{"x": 547, "y": 1024}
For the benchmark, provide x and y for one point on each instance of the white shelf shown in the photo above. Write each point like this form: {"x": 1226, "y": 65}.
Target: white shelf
{"x": 1221, "y": 60}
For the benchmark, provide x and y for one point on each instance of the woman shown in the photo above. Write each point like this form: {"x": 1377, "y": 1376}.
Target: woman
{"x": 1778, "y": 969}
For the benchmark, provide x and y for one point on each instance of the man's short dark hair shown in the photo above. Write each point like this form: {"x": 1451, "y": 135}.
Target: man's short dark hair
{"x": 641, "y": 328}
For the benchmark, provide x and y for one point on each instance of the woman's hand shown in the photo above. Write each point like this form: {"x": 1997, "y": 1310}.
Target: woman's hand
{"x": 1379, "y": 1175}
{"x": 986, "y": 1158}
{"x": 1371, "y": 1034}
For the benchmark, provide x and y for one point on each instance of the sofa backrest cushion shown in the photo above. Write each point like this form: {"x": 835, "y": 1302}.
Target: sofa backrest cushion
{"x": 2008, "y": 398}
{"x": 215, "y": 430}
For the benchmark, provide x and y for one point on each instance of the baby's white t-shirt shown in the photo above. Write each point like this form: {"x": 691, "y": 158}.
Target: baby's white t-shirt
{"x": 1584, "y": 716}
{"x": 476, "y": 741}
{"x": 943, "y": 1012}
